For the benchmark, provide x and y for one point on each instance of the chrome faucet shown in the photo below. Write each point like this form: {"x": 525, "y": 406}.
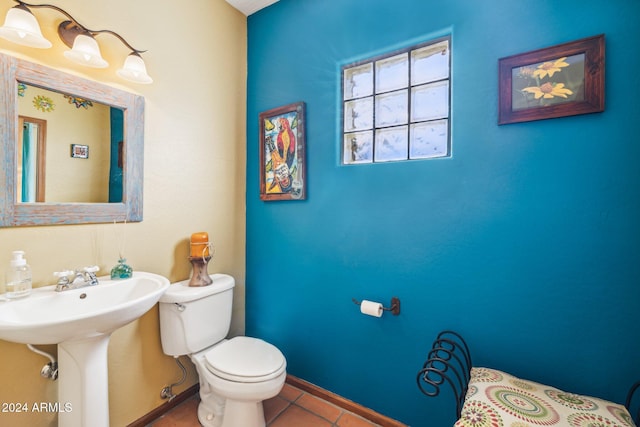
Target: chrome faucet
{"x": 75, "y": 279}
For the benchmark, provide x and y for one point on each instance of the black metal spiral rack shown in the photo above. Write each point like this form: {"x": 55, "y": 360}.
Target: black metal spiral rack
{"x": 630, "y": 401}
{"x": 449, "y": 360}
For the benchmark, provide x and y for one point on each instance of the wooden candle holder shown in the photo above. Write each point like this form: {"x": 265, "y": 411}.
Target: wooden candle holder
{"x": 200, "y": 275}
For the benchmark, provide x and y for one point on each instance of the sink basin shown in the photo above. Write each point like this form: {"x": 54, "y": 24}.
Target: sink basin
{"x": 49, "y": 317}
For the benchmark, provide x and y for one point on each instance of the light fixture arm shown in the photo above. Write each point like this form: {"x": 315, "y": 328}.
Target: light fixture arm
{"x": 118, "y": 36}
{"x": 68, "y": 30}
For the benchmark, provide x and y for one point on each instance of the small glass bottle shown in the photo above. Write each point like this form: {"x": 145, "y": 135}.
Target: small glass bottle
{"x": 18, "y": 277}
{"x": 122, "y": 270}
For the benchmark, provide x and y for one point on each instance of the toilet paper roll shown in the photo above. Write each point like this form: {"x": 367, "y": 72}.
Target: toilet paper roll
{"x": 371, "y": 308}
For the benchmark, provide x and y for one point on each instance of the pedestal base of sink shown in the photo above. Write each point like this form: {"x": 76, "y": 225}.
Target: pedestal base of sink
{"x": 83, "y": 383}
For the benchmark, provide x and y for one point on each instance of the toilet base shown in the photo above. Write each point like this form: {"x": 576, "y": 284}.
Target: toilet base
{"x": 211, "y": 407}
{"x": 234, "y": 413}
{"x": 238, "y": 413}
{"x": 231, "y": 413}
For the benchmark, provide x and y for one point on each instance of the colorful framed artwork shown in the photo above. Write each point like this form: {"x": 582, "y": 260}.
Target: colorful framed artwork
{"x": 282, "y": 153}
{"x": 558, "y": 81}
{"x": 79, "y": 151}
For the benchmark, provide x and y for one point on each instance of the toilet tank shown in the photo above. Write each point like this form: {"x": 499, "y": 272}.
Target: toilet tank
{"x": 194, "y": 318}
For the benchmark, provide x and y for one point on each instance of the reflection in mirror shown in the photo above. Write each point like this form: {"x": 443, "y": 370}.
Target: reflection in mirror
{"x": 69, "y": 120}
{"x": 30, "y": 174}
{"x": 44, "y": 182}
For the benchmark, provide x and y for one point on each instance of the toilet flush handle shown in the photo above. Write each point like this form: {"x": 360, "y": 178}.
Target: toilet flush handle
{"x": 180, "y": 307}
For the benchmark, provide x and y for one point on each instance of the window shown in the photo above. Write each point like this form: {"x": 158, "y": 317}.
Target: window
{"x": 397, "y": 106}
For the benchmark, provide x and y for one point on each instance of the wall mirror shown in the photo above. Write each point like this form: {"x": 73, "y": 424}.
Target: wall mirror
{"x": 71, "y": 149}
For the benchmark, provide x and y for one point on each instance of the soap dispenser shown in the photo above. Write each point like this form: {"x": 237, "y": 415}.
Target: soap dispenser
{"x": 18, "y": 277}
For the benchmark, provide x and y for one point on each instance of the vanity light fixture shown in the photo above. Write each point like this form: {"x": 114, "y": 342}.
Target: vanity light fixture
{"x": 21, "y": 27}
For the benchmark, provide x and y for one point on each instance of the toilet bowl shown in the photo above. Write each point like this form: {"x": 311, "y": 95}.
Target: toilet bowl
{"x": 244, "y": 371}
{"x": 235, "y": 374}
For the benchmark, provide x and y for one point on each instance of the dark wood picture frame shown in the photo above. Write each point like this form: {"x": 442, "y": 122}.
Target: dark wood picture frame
{"x": 282, "y": 153}
{"x": 558, "y": 81}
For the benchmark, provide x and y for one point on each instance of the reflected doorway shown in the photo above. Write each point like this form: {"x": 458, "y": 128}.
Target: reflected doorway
{"x": 31, "y": 153}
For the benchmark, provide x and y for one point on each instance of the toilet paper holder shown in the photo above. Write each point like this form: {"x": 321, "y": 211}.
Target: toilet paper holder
{"x": 394, "y": 309}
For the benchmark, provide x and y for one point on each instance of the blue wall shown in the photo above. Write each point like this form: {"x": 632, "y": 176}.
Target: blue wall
{"x": 526, "y": 240}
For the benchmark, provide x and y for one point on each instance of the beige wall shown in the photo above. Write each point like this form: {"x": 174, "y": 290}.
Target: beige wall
{"x": 194, "y": 170}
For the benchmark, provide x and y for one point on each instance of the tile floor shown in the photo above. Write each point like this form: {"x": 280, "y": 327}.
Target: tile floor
{"x": 291, "y": 408}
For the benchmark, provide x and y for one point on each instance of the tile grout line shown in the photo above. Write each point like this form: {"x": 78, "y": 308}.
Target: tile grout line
{"x": 341, "y": 410}
{"x": 299, "y": 397}
{"x": 374, "y": 418}
{"x": 287, "y": 406}
{"x": 333, "y": 423}
{"x": 316, "y": 414}
{"x": 279, "y": 414}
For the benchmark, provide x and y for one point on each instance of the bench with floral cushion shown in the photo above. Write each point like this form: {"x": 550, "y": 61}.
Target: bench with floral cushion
{"x": 491, "y": 398}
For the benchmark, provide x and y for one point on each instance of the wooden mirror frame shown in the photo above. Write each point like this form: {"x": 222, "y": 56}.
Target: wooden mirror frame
{"x": 12, "y": 213}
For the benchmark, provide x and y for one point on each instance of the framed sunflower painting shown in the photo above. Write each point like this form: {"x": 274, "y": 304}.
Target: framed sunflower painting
{"x": 558, "y": 81}
{"x": 282, "y": 158}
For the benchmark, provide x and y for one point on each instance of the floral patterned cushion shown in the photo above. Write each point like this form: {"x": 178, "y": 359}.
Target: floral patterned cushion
{"x": 497, "y": 399}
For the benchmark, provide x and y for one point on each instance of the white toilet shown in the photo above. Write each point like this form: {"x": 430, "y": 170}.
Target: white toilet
{"x": 237, "y": 374}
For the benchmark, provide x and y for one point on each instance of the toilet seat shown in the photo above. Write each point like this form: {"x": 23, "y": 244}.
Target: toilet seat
{"x": 245, "y": 360}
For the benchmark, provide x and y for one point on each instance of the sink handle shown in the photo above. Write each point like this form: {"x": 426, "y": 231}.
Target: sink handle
{"x": 92, "y": 269}
{"x": 63, "y": 279}
{"x": 63, "y": 276}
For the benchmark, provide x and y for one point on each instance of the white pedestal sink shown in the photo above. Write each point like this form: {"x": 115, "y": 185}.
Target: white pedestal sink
{"x": 81, "y": 321}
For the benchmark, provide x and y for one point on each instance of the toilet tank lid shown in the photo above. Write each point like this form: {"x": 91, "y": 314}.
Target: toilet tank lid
{"x": 180, "y": 292}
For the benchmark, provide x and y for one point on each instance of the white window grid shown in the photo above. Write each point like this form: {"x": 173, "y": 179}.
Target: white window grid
{"x": 397, "y": 106}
